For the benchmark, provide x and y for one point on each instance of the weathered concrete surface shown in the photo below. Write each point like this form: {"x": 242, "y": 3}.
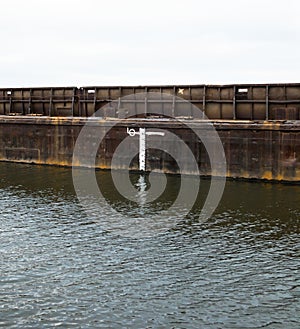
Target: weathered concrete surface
{"x": 254, "y": 150}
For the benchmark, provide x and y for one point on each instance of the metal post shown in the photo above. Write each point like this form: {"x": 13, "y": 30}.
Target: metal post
{"x": 73, "y": 102}
{"x": 23, "y": 107}
{"x": 234, "y": 103}
{"x": 204, "y": 102}
{"x": 29, "y": 104}
{"x": 267, "y": 102}
{"x": 10, "y": 101}
{"x": 142, "y": 149}
{"x": 95, "y": 100}
{"x": 142, "y": 143}
{"x": 43, "y": 102}
{"x": 50, "y": 102}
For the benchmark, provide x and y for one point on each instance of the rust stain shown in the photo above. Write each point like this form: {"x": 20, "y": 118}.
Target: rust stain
{"x": 251, "y": 151}
{"x": 247, "y": 102}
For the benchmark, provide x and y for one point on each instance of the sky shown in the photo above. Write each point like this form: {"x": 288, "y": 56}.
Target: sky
{"x": 157, "y": 42}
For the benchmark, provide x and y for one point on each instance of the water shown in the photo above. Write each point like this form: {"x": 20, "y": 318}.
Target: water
{"x": 61, "y": 268}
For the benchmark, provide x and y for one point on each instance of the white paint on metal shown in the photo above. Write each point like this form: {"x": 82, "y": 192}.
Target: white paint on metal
{"x": 131, "y": 132}
{"x": 142, "y": 154}
{"x": 142, "y": 143}
{"x": 154, "y": 133}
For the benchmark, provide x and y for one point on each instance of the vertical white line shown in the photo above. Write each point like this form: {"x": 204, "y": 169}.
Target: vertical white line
{"x": 142, "y": 154}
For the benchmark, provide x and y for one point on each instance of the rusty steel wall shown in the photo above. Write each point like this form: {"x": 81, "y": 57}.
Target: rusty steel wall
{"x": 269, "y": 150}
{"x": 226, "y": 102}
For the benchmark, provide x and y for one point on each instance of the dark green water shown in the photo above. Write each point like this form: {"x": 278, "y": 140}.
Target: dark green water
{"x": 60, "y": 268}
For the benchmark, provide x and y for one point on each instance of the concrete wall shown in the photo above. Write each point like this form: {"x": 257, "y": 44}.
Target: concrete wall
{"x": 266, "y": 150}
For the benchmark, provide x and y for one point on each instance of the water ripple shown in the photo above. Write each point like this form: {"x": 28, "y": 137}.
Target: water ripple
{"x": 58, "y": 268}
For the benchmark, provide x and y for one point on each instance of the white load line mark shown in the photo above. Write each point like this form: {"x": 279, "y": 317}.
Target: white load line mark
{"x": 142, "y": 143}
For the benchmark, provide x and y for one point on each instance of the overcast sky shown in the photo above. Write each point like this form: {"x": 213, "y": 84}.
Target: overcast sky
{"x": 130, "y": 42}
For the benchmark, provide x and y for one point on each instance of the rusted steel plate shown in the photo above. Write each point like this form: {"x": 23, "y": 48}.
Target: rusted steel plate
{"x": 269, "y": 150}
{"x": 227, "y": 102}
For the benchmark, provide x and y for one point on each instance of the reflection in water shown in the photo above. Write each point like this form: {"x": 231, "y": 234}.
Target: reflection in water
{"x": 58, "y": 267}
{"x": 141, "y": 187}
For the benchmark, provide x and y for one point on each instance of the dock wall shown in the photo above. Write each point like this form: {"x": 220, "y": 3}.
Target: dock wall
{"x": 254, "y": 150}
